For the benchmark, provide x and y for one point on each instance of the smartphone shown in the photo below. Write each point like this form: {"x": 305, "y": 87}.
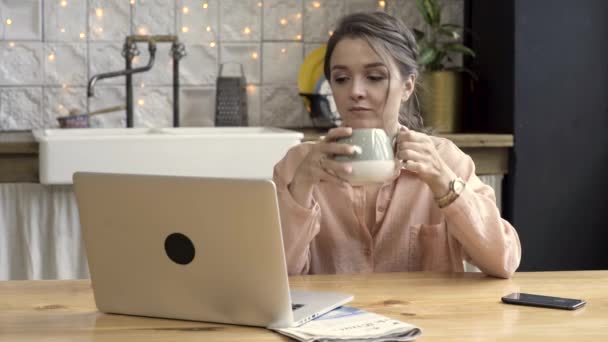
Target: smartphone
{"x": 543, "y": 301}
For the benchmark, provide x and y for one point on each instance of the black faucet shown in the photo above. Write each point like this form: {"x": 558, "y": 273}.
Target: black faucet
{"x": 129, "y": 51}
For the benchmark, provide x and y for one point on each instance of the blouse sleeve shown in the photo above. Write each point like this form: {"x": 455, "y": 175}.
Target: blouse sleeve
{"x": 299, "y": 224}
{"x": 473, "y": 219}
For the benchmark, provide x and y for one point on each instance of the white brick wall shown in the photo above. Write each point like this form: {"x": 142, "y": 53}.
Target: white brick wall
{"x": 52, "y": 47}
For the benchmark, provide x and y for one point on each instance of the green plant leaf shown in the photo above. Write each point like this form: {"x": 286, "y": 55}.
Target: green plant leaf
{"x": 418, "y": 34}
{"x": 451, "y": 26}
{"x": 426, "y": 15}
{"x": 427, "y": 55}
{"x": 457, "y": 47}
{"x": 436, "y": 8}
{"x": 449, "y": 33}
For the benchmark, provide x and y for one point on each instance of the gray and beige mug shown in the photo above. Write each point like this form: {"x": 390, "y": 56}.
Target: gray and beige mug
{"x": 374, "y": 157}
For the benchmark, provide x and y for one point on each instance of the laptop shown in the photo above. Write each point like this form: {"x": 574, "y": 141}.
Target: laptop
{"x": 202, "y": 249}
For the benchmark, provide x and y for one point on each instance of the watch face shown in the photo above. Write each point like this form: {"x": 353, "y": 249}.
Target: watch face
{"x": 458, "y": 186}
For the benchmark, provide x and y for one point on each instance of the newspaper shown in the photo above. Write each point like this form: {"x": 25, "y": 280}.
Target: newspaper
{"x": 352, "y": 324}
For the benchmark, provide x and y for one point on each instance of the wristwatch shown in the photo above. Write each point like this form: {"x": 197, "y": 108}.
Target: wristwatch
{"x": 456, "y": 186}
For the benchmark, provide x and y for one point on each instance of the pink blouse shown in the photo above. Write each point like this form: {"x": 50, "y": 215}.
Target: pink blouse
{"x": 411, "y": 232}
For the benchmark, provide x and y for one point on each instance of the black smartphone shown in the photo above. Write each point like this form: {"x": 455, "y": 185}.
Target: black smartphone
{"x": 543, "y": 301}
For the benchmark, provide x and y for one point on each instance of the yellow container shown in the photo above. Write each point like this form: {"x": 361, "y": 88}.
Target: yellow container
{"x": 441, "y": 100}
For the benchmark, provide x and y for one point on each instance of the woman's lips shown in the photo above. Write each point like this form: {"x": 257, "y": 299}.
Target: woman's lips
{"x": 359, "y": 109}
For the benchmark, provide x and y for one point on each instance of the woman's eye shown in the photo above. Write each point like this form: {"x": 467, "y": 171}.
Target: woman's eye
{"x": 340, "y": 79}
{"x": 376, "y": 78}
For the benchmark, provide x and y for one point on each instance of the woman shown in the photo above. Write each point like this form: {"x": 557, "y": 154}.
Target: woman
{"x": 434, "y": 214}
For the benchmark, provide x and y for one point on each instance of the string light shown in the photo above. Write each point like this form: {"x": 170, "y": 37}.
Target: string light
{"x": 11, "y": 44}
{"x": 185, "y": 29}
{"x": 62, "y": 30}
{"x": 247, "y": 30}
{"x": 82, "y": 35}
{"x": 316, "y": 4}
{"x": 141, "y": 85}
{"x": 9, "y": 21}
{"x": 283, "y": 50}
{"x": 140, "y": 102}
{"x": 142, "y": 30}
{"x": 283, "y": 21}
{"x": 260, "y": 4}
{"x": 185, "y": 10}
{"x": 330, "y": 33}
{"x": 251, "y": 89}
{"x": 208, "y": 29}
{"x": 63, "y": 3}
{"x": 212, "y": 44}
{"x": 254, "y": 55}
{"x": 205, "y": 5}
{"x": 381, "y": 3}
{"x": 51, "y": 57}
{"x": 100, "y": 29}
{"x": 132, "y": 2}
{"x": 299, "y": 37}
{"x": 298, "y": 15}
{"x": 99, "y": 12}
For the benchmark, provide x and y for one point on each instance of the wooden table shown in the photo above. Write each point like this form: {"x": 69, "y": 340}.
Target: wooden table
{"x": 448, "y": 307}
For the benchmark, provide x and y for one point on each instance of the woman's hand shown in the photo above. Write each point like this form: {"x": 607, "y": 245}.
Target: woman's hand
{"x": 319, "y": 166}
{"x": 419, "y": 155}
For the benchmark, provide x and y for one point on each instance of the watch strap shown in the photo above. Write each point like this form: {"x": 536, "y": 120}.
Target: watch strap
{"x": 451, "y": 196}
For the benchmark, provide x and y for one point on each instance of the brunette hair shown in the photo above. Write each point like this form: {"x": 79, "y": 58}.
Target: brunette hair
{"x": 391, "y": 40}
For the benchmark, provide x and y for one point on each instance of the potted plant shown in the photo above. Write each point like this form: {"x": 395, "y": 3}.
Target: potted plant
{"x": 441, "y": 93}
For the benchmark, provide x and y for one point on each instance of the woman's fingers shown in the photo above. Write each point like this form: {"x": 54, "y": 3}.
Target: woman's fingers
{"x": 409, "y": 154}
{"x": 338, "y": 169}
{"x": 337, "y": 148}
{"x": 337, "y": 133}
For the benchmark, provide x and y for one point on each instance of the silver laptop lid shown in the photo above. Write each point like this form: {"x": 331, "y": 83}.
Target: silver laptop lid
{"x": 184, "y": 247}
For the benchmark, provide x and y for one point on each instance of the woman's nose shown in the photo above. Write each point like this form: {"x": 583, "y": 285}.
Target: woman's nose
{"x": 357, "y": 90}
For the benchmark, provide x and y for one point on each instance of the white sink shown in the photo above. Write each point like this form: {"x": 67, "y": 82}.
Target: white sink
{"x": 239, "y": 152}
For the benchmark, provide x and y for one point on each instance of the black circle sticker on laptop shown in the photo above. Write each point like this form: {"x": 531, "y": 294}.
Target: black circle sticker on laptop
{"x": 179, "y": 248}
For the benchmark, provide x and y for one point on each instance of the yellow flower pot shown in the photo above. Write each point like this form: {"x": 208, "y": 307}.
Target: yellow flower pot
{"x": 441, "y": 100}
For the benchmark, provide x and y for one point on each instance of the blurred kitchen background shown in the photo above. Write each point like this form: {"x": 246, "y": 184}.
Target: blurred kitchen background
{"x": 535, "y": 120}
{"x": 50, "y": 48}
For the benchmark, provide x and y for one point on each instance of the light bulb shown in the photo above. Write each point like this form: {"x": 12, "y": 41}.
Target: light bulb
{"x": 63, "y": 3}
{"x": 208, "y": 29}
{"x": 99, "y": 12}
{"x": 185, "y": 10}
{"x": 205, "y": 5}
{"x": 51, "y": 57}
{"x": 246, "y": 30}
{"x": 82, "y": 35}
{"x": 283, "y": 50}
{"x": 212, "y": 44}
{"x": 254, "y": 55}
{"x": 9, "y": 21}
{"x": 316, "y": 4}
{"x": 185, "y": 29}
{"x": 283, "y": 21}
{"x": 140, "y": 102}
{"x": 381, "y": 3}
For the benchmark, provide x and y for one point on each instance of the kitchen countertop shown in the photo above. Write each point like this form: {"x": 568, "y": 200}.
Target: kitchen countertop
{"x": 19, "y": 153}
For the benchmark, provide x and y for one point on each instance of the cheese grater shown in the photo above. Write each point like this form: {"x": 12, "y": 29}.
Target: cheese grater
{"x": 231, "y": 99}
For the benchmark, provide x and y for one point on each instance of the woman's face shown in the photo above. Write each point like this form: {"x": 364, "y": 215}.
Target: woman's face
{"x": 360, "y": 86}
